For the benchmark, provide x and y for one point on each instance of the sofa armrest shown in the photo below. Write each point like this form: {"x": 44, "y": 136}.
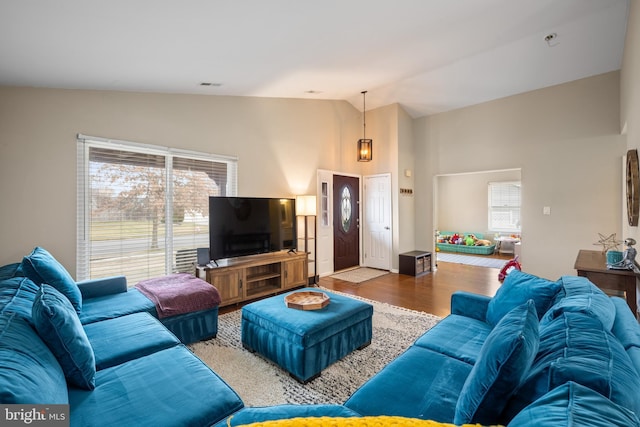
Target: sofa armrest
{"x": 470, "y": 305}
{"x": 104, "y": 286}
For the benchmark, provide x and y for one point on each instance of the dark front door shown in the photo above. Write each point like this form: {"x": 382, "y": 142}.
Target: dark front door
{"x": 346, "y": 222}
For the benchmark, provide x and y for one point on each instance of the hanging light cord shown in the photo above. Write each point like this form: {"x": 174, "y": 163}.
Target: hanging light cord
{"x": 364, "y": 114}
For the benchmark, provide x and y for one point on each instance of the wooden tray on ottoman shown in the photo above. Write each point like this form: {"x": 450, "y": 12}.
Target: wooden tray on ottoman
{"x": 307, "y": 300}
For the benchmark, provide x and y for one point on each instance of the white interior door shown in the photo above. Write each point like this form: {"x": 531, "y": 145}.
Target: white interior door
{"x": 377, "y": 221}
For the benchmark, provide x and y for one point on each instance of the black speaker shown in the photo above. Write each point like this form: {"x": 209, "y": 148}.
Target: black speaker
{"x": 203, "y": 256}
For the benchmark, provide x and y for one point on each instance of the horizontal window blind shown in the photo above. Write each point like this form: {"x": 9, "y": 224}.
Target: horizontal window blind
{"x": 144, "y": 210}
{"x": 504, "y": 206}
{"x": 193, "y": 182}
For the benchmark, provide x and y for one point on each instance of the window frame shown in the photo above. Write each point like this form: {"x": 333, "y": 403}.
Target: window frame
{"x": 511, "y": 206}
{"x": 86, "y": 143}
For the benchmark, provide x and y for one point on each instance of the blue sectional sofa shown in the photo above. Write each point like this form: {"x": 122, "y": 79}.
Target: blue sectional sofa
{"x": 102, "y": 353}
{"x": 539, "y": 353}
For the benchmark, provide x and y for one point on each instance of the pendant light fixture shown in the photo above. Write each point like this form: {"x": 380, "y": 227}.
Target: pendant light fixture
{"x": 365, "y": 146}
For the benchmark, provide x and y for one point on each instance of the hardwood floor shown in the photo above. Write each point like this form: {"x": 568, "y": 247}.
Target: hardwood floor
{"x": 430, "y": 293}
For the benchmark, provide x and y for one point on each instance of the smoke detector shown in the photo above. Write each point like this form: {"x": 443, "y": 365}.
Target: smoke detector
{"x": 551, "y": 39}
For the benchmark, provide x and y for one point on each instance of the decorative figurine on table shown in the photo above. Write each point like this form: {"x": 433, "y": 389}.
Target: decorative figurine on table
{"x": 608, "y": 243}
{"x": 628, "y": 261}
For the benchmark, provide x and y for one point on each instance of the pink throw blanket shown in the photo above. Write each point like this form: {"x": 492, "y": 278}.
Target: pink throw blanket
{"x": 179, "y": 293}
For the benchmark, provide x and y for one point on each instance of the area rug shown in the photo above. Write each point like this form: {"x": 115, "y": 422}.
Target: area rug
{"x": 471, "y": 260}
{"x": 262, "y": 383}
{"x": 359, "y": 275}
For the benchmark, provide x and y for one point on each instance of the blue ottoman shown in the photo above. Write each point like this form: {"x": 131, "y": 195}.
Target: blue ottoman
{"x": 305, "y": 342}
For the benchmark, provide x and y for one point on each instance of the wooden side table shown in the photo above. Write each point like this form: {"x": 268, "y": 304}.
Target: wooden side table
{"x": 593, "y": 266}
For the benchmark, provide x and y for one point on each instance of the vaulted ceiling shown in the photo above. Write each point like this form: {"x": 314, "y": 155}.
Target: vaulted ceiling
{"x": 427, "y": 55}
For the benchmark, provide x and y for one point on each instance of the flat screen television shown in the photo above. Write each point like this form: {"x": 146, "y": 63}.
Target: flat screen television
{"x": 240, "y": 226}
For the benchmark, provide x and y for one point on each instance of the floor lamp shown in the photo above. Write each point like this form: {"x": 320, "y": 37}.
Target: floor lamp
{"x": 306, "y": 231}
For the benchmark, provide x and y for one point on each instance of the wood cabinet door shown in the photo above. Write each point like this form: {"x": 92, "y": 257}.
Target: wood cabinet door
{"x": 229, "y": 285}
{"x": 295, "y": 273}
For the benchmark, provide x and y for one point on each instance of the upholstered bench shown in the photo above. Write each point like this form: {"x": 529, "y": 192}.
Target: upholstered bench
{"x": 304, "y": 342}
{"x": 185, "y": 305}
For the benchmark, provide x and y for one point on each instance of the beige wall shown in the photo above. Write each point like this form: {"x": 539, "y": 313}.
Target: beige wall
{"x": 630, "y": 95}
{"x": 280, "y": 144}
{"x": 462, "y": 201}
{"x": 406, "y": 212}
{"x": 566, "y": 141}
{"x": 393, "y": 151}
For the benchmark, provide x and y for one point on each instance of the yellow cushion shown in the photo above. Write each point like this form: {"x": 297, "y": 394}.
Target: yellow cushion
{"x": 379, "y": 421}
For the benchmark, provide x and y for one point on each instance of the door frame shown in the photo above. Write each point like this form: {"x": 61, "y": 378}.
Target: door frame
{"x": 324, "y": 233}
{"x": 365, "y": 226}
{"x": 437, "y": 183}
{"x": 347, "y": 243}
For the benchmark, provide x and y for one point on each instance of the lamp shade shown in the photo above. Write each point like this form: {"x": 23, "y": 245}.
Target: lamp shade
{"x": 365, "y": 149}
{"x": 306, "y": 205}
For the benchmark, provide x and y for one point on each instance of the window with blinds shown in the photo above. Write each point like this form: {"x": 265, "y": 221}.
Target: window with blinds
{"x": 504, "y": 206}
{"x": 143, "y": 210}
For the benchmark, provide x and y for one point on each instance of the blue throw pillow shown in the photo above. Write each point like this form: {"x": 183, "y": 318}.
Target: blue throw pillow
{"x": 595, "y": 305}
{"x": 573, "y": 405}
{"x": 576, "y": 285}
{"x": 17, "y": 295}
{"x": 504, "y": 360}
{"x": 517, "y": 289}
{"x": 41, "y": 267}
{"x": 10, "y": 270}
{"x": 29, "y": 372}
{"x": 59, "y": 327}
{"x": 577, "y": 347}
{"x": 578, "y": 294}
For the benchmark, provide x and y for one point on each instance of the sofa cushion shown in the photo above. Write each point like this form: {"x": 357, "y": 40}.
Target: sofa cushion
{"x": 584, "y": 296}
{"x": 10, "y": 270}
{"x": 503, "y": 362}
{"x": 171, "y": 387}
{"x": 125, "y": 338}
{"x": 115, "y": 305}
{"x": 573, "y": 405}
{"x": 29, "y": 372}
{"x": 575, "y": 285}
{"x": 17, "y": 295}
{"x": 594, "y": 304}
{"x": 59, "y": 326}
{"x": 518, "y": 288}
{"x": 456, "y": 336}
{"x": 577, "y": 347}
{"x": 634, "y": 355}
{"x": 420, "y": 383}
{"x": 41, "y": 267}
{"x": 625, "y": 325}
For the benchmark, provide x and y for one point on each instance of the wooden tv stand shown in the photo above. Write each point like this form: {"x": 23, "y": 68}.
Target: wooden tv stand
{"x": 249, "y": 277}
